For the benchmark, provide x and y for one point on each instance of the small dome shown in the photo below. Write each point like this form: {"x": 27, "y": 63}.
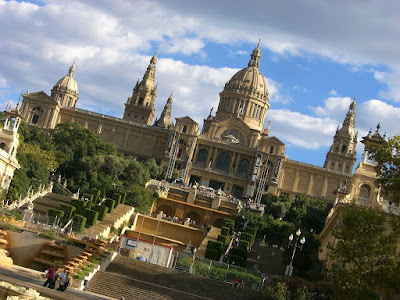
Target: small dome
{"x": 68, "y": 83}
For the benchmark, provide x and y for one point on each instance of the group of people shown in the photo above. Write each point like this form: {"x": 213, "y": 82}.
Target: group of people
{"x": 53, "y": 274}
{"x": 239, "y": 284}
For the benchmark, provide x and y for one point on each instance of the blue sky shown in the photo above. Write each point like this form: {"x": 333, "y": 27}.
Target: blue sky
{"x": 316, "y": 56}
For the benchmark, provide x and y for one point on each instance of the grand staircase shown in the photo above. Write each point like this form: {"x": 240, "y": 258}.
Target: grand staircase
{"x": 141, "y": 280}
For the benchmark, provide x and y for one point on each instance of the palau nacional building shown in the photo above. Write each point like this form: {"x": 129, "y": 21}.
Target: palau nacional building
{"x": 232, "y": 152}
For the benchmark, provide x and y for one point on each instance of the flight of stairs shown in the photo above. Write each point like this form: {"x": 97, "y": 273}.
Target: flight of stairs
{"x": 43, "y": 204}
{"x": 50, "y": 255}
{"x": 115, "y": 219}
{"x": 134, "y": 279}
{"x": 212, "y": 235}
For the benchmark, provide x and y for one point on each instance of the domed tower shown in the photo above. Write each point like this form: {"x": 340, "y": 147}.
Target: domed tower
{"x": 165, "y": 117}
{"x": 342, "y": 154}
{"x": 246, "y": 95}
{"x": 140, "y": 106}
{"x": 65, "y": 92}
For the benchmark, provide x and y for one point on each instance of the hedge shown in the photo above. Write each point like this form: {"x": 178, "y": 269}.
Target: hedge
{"x": 102, "y": 210}
{"x": 222, "y": 238}
{"x": 230, "y": 224}
{"x": 251, "y": 231}
{"x": 244, "y": 244}
{"x": 68, "y": 210}
{"x": 96, "y": 195}
{"x": 246, "y": 237}
{"x": 215, "y": 245}
{"x": 80, "y": 221}
{"x": 123, "y": 197}
{"x": 110, "y": 203}
{"x": 117, "y": 198}
{"x": 91, "y": 216}
{"x": 225, "y": 230}
{"x": 87, "y": 196}
{"x": 213, "y": 254}
{"x": 55, "y": 213}
{"x": 79, "y": 205}
{"x": 238, "y": 252}
{"x": 237, "y": 260}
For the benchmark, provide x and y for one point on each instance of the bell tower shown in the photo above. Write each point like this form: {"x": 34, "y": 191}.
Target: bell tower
{"x": 342, "y": 154}
{"x": 139, "y": 107}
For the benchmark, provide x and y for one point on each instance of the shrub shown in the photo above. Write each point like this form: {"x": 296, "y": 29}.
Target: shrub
{"x": 59, "y": 189}
{"x": 96, "y": 195}
{"x": 117, "y": 198}
{"x": 244, "y": 244}
{"x": 237, "y": 260}
{"x": 246, "y": 237}
{"x": 212, "y": 254}
{"x": 79, "y": 223}
{"x": 214, "y": 245}
{"x": 91, "y": 217}
{"x": 230, "y": 224}
{"x": 123, "y": 198}
{"x": 222, "y": 239}
{"x": 87, "y": 196}
{"x": 79, "y": 206}
{"x": 102, "y": 210}
{"x": 252, "y": 231}
{"x": 239, "y": 252}
{"x": 225, "y": 231}
{"x": 110, "y": 203}
{"x": 68, "y": 210}
{"x": 54, "y": 213}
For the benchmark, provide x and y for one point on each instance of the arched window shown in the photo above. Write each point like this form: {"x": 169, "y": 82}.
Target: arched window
{"x": 243, "y": 169}
{"x": 140, "y": 102}
{"x": 365, "y": 191}
{"x": 223, "y": 162}
{"x": 202, "y": 157}
{"x": 3, "y": 146}
{"x": 344, "y": 149}
{"x": 37, "y": 109}
{"x": 184, "y": 129}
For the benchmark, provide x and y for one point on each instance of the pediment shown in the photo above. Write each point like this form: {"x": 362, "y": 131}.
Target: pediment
{"x": 275, "y": 140}
{"x": 42, "y": 97}
{"x": 186, "y": 119}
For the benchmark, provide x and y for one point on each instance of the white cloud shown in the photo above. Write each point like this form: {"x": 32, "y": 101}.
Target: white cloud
{"x": 333, "y": 93}
{"x": 334, "y": 107}
{"x": 392, "y": 80}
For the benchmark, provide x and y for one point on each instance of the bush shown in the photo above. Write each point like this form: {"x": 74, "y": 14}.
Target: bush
{"x": 102, "y": 210}
{"x": 110, "y": 203}
{"x": 117, "y": 198}
{"x": 68, "y": 210}
{"x": 238, "y": 252}
{"x": 87, "y": 196}
{"x": 230, "y": 224}
{"x": 225, "y": 231}
{"x": 213, "y": 254}
{"x": 222, "y": 239}
{"x": 245, "y": 245}
{"x": 214, "y": 245}
{"x": 123, "y": 198}
{"x": 55, "y": 213}
{"x": 237, "y": 260}
{"x": 59, "y": 189}
{"x": 96, "y": 195}
{"x": 246, "y": 237}
{"x": 252, "y": 231}
{"x": 79, "y": 206}
{"x": 91, "y": 217}
{"x": 79, "y": 223}
{"x": 14, "y": 213}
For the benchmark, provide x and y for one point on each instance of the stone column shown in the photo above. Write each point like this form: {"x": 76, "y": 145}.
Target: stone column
{"x": 296, "y": 181}
{"x": 310, "y": 184}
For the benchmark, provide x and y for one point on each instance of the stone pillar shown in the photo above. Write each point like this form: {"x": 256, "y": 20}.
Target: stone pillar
{"x": 192, "y": 194}
{"x": 310, "y": 184}
{"x": 217, "y": 200}
{"x": 325, "y": 186}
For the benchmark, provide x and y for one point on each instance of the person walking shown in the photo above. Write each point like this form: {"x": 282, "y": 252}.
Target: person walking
{"x": 53, "y": 283}
{"x": 63, "y": 281}
{"x": 50, "y": 277}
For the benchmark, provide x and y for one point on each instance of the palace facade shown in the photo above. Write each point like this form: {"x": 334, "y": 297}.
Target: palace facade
{"x": 232, "y": 152}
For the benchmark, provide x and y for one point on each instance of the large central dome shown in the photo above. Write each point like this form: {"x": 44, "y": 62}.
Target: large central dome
{"x": 245, "y": 95}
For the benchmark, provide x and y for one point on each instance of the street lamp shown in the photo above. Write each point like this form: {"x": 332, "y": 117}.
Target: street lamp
{"x": 289, "y": 268}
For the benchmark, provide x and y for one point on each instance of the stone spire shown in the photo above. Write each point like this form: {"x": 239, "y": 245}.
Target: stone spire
{"x": 140, "y": 106}
{"x": 342, "y": 154}
{"x": 165, "y": 117}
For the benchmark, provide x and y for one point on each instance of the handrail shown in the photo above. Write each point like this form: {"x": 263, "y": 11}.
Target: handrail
{"x": 30, "y": 197}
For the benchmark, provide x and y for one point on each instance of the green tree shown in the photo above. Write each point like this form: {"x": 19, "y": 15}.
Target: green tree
{"x": 387, "y": 155}
{"x": 364, "y": 256}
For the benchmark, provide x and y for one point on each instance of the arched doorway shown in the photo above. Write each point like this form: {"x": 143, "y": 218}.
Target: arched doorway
{"x": 218, "y": 222}
{"x": 194, "y": 216}
{"x": 166, "y": 209}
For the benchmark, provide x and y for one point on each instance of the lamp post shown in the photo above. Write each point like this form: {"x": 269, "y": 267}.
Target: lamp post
{"x": 191, "y": 268}
{"x": 289, "y": 268}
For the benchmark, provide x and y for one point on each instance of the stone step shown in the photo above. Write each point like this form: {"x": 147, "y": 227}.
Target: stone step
{"x": 138, "y": 277}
